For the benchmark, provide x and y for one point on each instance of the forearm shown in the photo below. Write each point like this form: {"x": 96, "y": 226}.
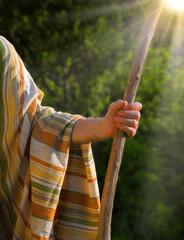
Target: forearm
{"x": 119, "y": 115}
{"x": 89, "y": 130}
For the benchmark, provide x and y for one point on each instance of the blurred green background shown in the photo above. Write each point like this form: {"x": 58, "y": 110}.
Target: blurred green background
{"x": 79, "y": 53}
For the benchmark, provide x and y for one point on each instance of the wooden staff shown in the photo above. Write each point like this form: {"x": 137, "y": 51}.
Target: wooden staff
{"x": 147, "y": 33}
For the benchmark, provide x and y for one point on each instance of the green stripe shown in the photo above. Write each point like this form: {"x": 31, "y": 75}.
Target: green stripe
{"x": 42, "y": 194}
{"x": 38, "y": 112}
{"x": 48, "y": 220}
{"x": 88, "y": 158}
{"x": 84, "y": 194}
{"x": 78, "y": 212}
{"x": 78, "y": 220}
{"x": 59, "y": 118}
{"x": 45, "y": 189}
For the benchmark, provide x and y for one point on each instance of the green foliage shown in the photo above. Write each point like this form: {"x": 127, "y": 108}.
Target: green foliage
{"x": 80, "y": 54}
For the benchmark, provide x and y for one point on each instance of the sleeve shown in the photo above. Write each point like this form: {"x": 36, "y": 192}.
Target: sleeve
{"x": 65, "y": 196}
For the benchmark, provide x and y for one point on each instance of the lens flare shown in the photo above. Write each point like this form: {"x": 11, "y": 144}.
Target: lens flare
{"x": 176, "y": 4}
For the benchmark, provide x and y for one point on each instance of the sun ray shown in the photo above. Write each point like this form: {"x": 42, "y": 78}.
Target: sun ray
{"x": 176, "y": 4}
{"x": 164, "y": 151}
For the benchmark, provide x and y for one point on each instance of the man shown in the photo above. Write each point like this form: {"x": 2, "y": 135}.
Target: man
{"x": 48, "y": 184}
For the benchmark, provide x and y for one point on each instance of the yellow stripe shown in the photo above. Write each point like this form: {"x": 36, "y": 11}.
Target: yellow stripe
{"x": 37, "y": 170}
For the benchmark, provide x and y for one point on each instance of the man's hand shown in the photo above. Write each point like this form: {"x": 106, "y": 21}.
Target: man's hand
{"x": 124, "y": 116}
{"x": 120, "y": 114}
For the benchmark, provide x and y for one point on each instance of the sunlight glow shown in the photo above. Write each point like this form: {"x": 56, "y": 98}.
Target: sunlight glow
{"x": 176, "y": 4}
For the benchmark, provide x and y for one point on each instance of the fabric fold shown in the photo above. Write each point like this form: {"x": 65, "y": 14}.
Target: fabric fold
{"x": 48, "y": 186}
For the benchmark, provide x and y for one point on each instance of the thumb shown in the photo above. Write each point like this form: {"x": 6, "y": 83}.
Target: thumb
{"x": 118, "y": 105}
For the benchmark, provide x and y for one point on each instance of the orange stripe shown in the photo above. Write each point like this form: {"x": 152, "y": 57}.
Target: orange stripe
{"x": 40, "y": 94}
{"x": 38, "y": 237}
{"x": 22, "y": 216}
{"x": 24, "y": 220}
{"x": 81, "y": 175}
{"x": 32, "y": 109}
{"x": 21, "y": 182}
{"x": 47, "y": 164}
{"x": 50, "y": 139}
{"x": 92, "y": 180}
{"x": 43, "y": 212}
{"x": 80, "y": 199}
{"x": 75, "y": 174}
{"x": 41, "y": 238}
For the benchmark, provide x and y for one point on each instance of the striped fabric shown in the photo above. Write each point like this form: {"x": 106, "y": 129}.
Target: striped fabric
{"x": 48, "y": 186}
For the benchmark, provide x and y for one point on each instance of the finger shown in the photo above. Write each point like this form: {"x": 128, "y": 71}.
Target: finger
{"x": 130, "y": 114}
{"x": 119, "y": 104}
{"x": 126, "y": 121}
{"x": 134, "y": 106}
{"x": 128, "y": 130}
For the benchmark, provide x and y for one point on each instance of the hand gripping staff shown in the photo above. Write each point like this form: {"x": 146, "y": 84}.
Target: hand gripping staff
{"x": 147, "y": 33}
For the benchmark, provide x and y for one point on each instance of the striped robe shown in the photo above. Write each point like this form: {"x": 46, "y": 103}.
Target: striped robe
{"x": 48, "y": 186}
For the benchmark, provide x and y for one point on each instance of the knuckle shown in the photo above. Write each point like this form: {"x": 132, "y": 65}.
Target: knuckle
{"x": 120, "y": 127}
{"x": 134, "y": 123}
{"x": 111, "y": 105}
{"x": 129, "y": 132}
{"x": 132, "y": 132}
{"x": 138, "y": 115}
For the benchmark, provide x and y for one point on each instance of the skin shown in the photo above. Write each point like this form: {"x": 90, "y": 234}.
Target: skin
{"x": 120, "y": 114}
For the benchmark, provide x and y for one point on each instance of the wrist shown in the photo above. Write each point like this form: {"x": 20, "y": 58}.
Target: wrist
{"x": 106, "y": 129}
{"x": 89, "y": 130}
